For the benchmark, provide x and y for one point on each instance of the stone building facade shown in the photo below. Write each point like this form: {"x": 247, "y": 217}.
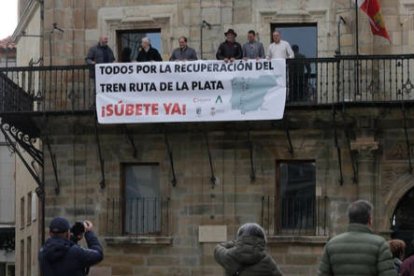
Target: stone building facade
{"x": 202, "y": 181}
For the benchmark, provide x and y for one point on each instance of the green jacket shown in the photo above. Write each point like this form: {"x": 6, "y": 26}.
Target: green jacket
{"x": 357, "y": 252}
{"x": 247, "y": 255}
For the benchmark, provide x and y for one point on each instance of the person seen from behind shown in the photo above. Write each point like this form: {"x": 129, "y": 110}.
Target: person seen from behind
{"x": 246, "y": 256}
{"x": 60, "y": 256}
{"x": 358, "y": 251}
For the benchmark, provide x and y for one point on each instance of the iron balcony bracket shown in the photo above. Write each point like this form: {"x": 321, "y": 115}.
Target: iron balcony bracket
{"x": 338, "y": 148}
{"x": 54, "y": 165}
{"x": 26, "y": 143}
{"x": 101, "y": 160}
{"x": 131, "y": 141}
{"x": 170, "y": 156}
{"x": 407, "y": 140}
{"x": 252, "y": 166}
{"x": 352, "y": 156}
{"x": 213, "y": 178}
{"x": 286, "y": 124}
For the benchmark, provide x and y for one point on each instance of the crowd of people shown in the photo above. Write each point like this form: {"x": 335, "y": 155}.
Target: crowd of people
{"x": 356, "y": 252}
{"x": 229, "y": 50}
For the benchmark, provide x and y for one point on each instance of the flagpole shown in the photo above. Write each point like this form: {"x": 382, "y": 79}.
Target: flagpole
{"x": 356, "y": 27}
{"x": 357, "y": 48}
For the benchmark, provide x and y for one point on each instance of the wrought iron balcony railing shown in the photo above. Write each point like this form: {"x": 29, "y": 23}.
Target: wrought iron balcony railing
{"x": 141, "y": 216}
{"x": 316, "y": 81}
{"x": 301, "y": 215}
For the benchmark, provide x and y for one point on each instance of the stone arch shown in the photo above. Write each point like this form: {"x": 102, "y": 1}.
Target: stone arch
{"x": 395, "y": 192}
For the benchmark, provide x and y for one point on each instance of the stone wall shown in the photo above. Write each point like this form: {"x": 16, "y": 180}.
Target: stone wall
{"x": 378, "y": 146}
{"x": 84, "y": 21}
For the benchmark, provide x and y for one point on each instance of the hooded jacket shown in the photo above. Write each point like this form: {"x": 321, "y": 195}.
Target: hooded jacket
{"x": 357, "y": 252}
{"x": 61, "y": 257}
{"x": 247, "y": 256}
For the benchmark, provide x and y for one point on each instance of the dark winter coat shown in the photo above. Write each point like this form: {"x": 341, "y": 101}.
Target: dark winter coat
{"x": 229, "y": 50}
{"x": 357, "y": 252}
{"x": 61, "y": 257}
{"x": 248, "y": 256}
{"x": 100, "y": 54}
{"x": 407, "y": 267}
{"x": 151, "y": 55}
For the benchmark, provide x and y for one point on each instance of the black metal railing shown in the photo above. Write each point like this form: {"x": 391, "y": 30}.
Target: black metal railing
{"x": 49, "y": 89}
{"x": 295, "y": 215}
{"x": 313, "y": 81}
{"x": 137, "y": 216}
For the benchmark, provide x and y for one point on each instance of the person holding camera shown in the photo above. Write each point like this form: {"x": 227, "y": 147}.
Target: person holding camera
{"x": 61, "y": 256}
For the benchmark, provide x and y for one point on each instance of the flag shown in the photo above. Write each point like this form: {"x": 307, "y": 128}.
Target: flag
{"x": 373, "y": 10}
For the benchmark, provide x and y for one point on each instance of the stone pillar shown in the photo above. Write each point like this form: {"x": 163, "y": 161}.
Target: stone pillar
{"x": 367, "y": 148}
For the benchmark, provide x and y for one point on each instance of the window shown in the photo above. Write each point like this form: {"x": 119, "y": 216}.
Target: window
{"x": 34, "y": 207}
{"x": 29, "y": 256}
{"x": 22, "y": 207}
{"x": 303, "y": 35}
{"x": 29, "y": 208}
{"x": 21, "y": 258}
{"x": 301, "y": 79}
{"x": 142, "y": 199}
{"x": 132, "y": 39}
{"x": 295, "y": 202}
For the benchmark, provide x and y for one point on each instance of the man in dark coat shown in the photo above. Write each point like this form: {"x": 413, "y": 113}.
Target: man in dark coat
{"x": 147, "y": 53}
{"x": 100, "y": 53}
{"x": 229, "y": 50}
{"x": 61, "y": 257}
{"x": 246, "y": 256}
{"x": 358, "y": 251}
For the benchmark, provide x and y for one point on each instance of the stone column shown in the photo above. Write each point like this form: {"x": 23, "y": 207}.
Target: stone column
{"x": 367, "y": 148}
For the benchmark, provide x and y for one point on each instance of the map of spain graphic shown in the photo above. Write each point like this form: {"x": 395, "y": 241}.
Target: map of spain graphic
{"x": 248, "y": 94}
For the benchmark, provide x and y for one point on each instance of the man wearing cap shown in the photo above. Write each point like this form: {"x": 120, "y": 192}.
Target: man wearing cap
{"x": 229, "y": 50}
{"x": 61, "y": 257}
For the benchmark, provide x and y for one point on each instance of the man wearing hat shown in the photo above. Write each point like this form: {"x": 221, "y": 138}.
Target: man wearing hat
{"x": 60, "y": 256}
{"x": 229, "y": 50}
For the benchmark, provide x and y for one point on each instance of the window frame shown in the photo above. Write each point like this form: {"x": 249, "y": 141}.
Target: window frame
{"x": 29, "y": 208}
{"x": 29, "y": 255}
{"x": 278, "y": 203}
{"x": 123, "y": 199}
{"x": 22, "y": 212}
{"x": 275, "y": 25}
{"x": 120, "y": 32}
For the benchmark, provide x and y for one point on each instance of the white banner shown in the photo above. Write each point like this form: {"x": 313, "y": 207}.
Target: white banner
{"x": 190, "y": 91}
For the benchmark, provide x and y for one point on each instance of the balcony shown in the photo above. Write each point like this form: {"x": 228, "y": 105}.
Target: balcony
{"x": 143, "y": 220}
{"x": 336, "y": 80}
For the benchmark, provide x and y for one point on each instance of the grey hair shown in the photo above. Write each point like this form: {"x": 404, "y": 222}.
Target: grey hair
{"x": 251, "y": 229}
{"x": 146, "y": 39}
{"x": 360, "y": 211}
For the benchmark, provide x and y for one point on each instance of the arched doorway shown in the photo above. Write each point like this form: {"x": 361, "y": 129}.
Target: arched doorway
{"x": 402, "y": 221}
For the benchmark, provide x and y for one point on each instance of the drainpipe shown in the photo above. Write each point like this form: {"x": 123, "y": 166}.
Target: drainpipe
{"x": 338, "y": 33}
{"x": 204, "y": 24}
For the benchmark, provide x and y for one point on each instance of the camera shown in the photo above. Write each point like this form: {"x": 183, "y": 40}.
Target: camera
{"x": 76, "y": 231}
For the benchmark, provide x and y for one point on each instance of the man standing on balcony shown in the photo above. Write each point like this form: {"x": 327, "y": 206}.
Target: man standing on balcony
{"x": 229, "y": 50}
{"x": 100, "y": 53}
{"x": 183, "y": 52}
{"x": 358, "y": 251}
{"x": 60, "y": 256}
{"x": 253, "y": 49}
{"x": 279, "y": 48}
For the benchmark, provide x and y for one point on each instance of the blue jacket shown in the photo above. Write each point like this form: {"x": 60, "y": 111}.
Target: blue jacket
{"x": 61, "y": 257}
